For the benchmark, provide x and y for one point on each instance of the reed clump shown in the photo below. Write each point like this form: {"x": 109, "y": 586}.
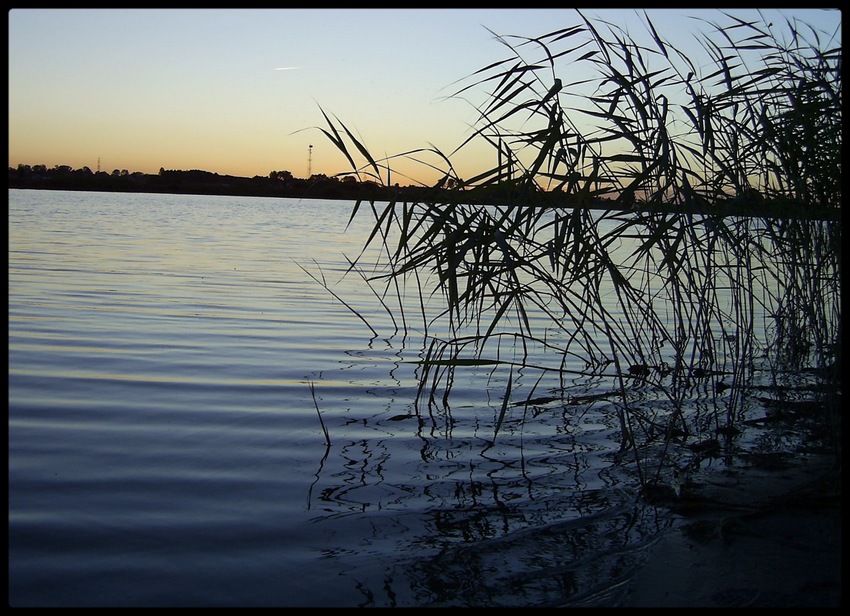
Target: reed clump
{"x": 722, "y": 182}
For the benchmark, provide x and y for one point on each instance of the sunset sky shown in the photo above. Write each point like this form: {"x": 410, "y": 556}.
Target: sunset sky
{"x": 237, "y": 91}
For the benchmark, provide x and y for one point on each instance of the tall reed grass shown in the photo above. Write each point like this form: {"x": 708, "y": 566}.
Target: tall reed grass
{"x": 726, "y": 178}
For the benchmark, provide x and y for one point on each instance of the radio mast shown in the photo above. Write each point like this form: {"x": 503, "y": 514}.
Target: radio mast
{"x": 310, "y": 162}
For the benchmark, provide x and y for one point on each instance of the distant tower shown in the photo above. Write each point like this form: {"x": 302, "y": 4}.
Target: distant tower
{"x": 98, "y": 164}
{"x": 310, "y": 162}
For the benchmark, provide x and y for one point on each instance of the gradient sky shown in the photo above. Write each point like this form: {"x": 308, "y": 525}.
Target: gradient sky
{"x": 231, "y": 90}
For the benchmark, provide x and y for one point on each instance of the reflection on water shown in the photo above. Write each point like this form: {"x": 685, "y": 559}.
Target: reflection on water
{"x": 165, "y": 449}
{"x": 537, "y": 517}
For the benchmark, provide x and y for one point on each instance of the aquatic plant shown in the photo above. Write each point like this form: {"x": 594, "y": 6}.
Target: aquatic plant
{"x": 726, "y": 179}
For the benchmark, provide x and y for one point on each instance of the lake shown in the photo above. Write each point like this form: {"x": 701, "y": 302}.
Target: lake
{"x": 172, "y": 362}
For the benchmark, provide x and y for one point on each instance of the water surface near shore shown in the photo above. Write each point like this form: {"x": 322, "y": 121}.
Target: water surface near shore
{"x": 165, "y": 445}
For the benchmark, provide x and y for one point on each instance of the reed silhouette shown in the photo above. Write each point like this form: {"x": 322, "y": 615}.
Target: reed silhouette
{"x": 727, "y": 181}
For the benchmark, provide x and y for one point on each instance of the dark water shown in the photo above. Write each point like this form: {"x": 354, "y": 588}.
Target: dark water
{"x": 165, "y": 447}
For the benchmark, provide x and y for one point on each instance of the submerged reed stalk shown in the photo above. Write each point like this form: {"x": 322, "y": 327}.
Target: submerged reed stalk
{"x": 319, "y": 413}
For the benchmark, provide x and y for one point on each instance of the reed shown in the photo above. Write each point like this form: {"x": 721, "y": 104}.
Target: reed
{"x": 726, "y": 179}
{"x": 319, "y": 413}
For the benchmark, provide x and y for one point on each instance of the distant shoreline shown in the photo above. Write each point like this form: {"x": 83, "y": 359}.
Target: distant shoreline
{"x": 323, "y": 187}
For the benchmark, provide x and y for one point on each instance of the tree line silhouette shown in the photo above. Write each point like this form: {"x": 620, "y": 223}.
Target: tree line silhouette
{"x": 275, "y": 184}
{"x": 348, "y": 187}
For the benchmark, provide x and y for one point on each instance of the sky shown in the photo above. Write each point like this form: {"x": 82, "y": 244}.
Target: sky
{"x": 240, "y": 91}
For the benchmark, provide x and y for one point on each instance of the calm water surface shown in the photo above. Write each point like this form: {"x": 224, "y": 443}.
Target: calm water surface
{"x": 165, "y": 447}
